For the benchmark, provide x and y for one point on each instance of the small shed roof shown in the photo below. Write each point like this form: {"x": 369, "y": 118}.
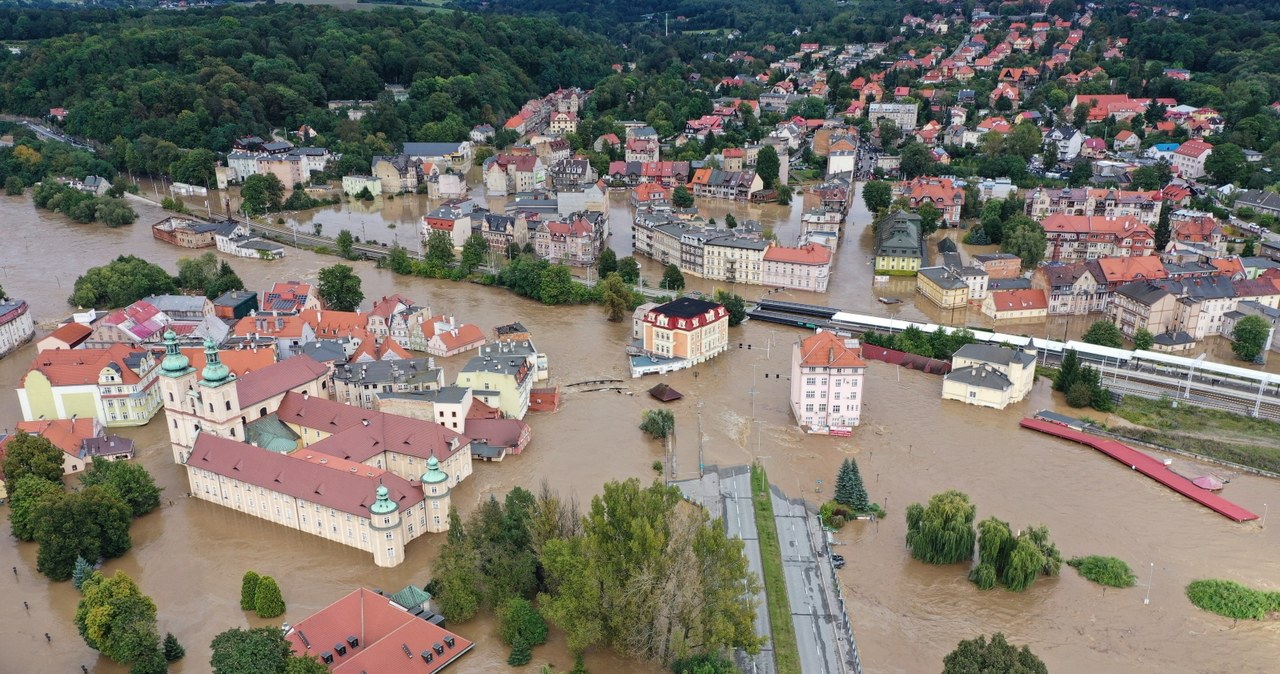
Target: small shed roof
{"x": 665, "y": 393}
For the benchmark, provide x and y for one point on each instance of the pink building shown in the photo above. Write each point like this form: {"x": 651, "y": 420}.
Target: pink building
{"x": 805, "y": 267}
{"x": 826, "y": 384}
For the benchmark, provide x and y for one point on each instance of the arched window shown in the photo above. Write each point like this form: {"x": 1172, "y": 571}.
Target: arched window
{"x": 262, "y": 412}
{"x": 228, "y": 405}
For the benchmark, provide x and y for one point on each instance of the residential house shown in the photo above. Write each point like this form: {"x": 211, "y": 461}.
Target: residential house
{"x": 805, "y": 267}
{"x": 136, "y": 324}
{"x": 576, "y": 241}
{"x": 899, "y": 244}
{"x": 943, "y": 286}
{"x": 481, "y": 133}
{"x": 1042, "y": 202}
{"x": 563, "y": 122}
{"x": 454, "y": 218}
{"x": 68, "y": 336}
{"x": 289, "y": 331}
{"x": 396, "y": 174}
{"x": 732, "y": 258}
{"x": 1261, "y": 201}
{"x": 455, "y": 156}
{"x": 999, "y": 265}
{"x": 290, "y": 297}
{"x": 81, "y": 441}
{"x": 1071, "y": 289}
{"x": 1016, "y": 305}
{"x": 569, "y": 174}
{"x": 359, "y": 384}
{"x": 114, "y": 385}
{"x": 827, "y": 384}
{"x": 502, "y": 376}
{"x": 650, "y": 195}
{"x": 1195, "y": 306}
{"x": 717, "y": 184}
{"x": 1126, "y": 141}
{"x": 988, "y": 375}
{"x": 512, "y": 174}
{"x": 184, "y": 232}
{"x": 903, "y": 115}
{"x": 686, "y": 330}
{"x": 944, "y": 194}
{"x": 365, "y": 630}
{"x": 352, "y": 186}
{"x": 1189, "y": 158}
{"x": 1071, "y": 238}
{"x": 642, "y": 150}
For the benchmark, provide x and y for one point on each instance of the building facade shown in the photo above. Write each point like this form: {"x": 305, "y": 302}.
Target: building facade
{"x": 827, "y": 377}
{"x": 688, "y": 329}
{"x": 116, "y": 386}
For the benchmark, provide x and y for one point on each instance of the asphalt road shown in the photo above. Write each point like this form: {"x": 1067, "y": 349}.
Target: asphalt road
{"x": 813, "y": 608}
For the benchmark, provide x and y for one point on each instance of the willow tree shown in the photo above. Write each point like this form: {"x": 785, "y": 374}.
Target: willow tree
{"x": 942, "y": 532}
{"x": 1025, "y": 563}
{"x": 995, "y": 542}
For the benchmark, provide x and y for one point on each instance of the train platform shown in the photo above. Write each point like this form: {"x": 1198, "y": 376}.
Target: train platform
{"x": 1147, "y": 465}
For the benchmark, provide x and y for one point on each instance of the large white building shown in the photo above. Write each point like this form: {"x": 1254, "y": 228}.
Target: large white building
{"x": 827, "y": 392}
{"x": 990, "y": 376}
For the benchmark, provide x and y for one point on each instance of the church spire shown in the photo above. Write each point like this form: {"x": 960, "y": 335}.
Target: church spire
{"x": 214, "y": 372}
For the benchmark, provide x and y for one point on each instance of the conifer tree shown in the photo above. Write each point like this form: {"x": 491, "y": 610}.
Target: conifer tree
{"x": 248, "y": 590}
{"x": 849, "y": 488}
{"x": 267, "y": 600}
{"x": 521, "y": 654}
{"x": 81, "y": 572}
{"x": 173, "y": 650}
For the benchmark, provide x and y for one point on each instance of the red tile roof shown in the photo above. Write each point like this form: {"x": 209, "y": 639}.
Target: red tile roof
{"x": 466, "y": 334}
{"x": 71, "y": 334}
{"x": 1019, "y": 300}
{"x": 810, "y": 253}
{"x": 385, "y": 632}
{"x": 1193, "y": 148}
{"x": 239, "y": 361}
{"x": 286, "y": 375}
{"x": 65, "y": 434}
{"x": 824, "y": 349}
{"x": 359, "y": 434}
{"x": 84, "y": 366}
{"x": 1125, "y": 269}
{"x": 324, "y": 480}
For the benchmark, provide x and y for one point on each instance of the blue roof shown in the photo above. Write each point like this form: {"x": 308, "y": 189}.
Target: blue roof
{"x": 1166, "y": 147}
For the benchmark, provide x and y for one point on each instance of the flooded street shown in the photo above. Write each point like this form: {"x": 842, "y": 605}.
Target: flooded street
{"x": 906, "y": 615}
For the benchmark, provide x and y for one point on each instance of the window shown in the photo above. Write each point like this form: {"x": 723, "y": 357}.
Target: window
{"x": 389, "y": 536}
{"x": 808, "y": 408}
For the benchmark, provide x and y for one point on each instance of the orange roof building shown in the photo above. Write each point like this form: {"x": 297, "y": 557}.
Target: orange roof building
{"x": 827, "y": 377}
{"x": 1017, "y": 305}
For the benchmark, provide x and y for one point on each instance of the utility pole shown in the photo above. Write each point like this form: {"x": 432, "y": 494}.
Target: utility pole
{"x": 701, "y": 462}
{"x": 666, "y": 25}
{"x": 754, "y": 366}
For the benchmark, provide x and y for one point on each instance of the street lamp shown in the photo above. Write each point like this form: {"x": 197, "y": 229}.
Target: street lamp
{"x": 1151, "y": 579}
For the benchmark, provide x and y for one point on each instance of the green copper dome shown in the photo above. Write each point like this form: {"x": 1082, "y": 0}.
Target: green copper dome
{"x": 174, "y": 362}
{"x": 434, "y": 475}
{"x": 384, "y": 505}
{"x": 214, "y": 371}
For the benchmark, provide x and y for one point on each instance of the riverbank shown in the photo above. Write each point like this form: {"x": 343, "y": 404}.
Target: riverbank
{"x": 1234, "y": 438}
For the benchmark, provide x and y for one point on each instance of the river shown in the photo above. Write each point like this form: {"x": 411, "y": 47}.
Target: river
{"x": 907, "y": 615}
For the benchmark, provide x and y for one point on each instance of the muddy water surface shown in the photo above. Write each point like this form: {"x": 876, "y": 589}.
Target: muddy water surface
{"x": 189, "y": 555}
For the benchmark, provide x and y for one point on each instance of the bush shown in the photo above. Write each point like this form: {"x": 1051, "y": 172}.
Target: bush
{"x": 1233, "y": 600}
{"x": 707, "y": 663}
{"x": 1080, "y": 394}
{"x": 1108, "y": 571}
{"x": 248, "y": 590}
{"x": 267, "y": 600}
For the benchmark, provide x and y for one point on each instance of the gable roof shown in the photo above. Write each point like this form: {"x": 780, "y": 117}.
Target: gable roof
{"x": 390, "y": 638}
{"x": 83, "y": 366}
{"x": 825, "y": 349}
{"x": 286, "y": 375}
{"x": 358, "y": 434}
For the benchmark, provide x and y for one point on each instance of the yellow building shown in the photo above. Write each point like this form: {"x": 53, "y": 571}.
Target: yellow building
{"x": 115, "y": 386}
{"x": 502, "y": 376}
{"x": 942, "y": 286}
{"x": 990, "y": 376}
{"x": 899, "y": 244}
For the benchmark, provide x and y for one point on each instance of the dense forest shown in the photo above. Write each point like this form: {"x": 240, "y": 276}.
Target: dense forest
{"x": 200, "y": 78}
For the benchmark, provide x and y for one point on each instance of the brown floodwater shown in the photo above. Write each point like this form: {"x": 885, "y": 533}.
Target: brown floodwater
{"x": 189, "y": 556}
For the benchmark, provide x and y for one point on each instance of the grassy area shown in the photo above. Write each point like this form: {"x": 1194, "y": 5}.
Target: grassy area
{"x": 1233, "y": 600}
{"x": 1108, "y": 571}
{"x": 1214, "y": 433}
{"x": 785, "y": 655}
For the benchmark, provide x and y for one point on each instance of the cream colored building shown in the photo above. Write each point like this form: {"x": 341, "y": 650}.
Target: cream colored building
{"x": 353, "y": 185}
{"x": 827, "y": 391}
{"x": 734, "y": 259}
{"x": 688, "y": 329}
{"x": 989, "y": 375}
{"x": 116, "y": 386}
{"x": 943, "y": 286}
{"x": 502, "y": 376}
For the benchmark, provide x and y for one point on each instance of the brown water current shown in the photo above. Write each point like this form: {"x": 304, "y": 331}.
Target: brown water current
{"x": 189, "y": 556}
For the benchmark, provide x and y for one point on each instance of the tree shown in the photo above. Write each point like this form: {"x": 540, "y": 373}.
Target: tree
{"x": 92, "y": 523}
{"x": 1250, "y": 248}
{"x": 734, "y": 305}
{"x": 474, "y": 250}
{"x": 1081, "y": 172}
{"x": 521, "y": 654}
{"x": 616, "y": 296}
{"x": 942, "y": 532}
{"x": 682, "y": 580}
{"x": 439, "y": 250}
{"x": 261, "y": 193}
{"x": 784, "y": 198}
{"x": 1152, "y": 177}
{"x": 122, "y": 282}
{"x": 1225, "y": 164}
{"x": 1104, "y": 333}
{"x": 929, "y": 217}
{"x": 130, "y": 481}
{"x": 1249, "y": 337}
{"x": 1067, "y": 371}
{"x": 305, "y": 664}
{"x": 629, "y": 270}
{"x": 173, "y": 651}
{"x": 658, "y": 423}
{"x": 1143, "y": 339}
{"x": 80, "y": 573}
{"x": 25, "y": 494}
{"x": 557, "y": 285}
{"x": 877, "y": 195}
{"x": 340, "y": 288}
{"x": 150, "y": 662}
{"x": 681, "y": 197}
{"x": 226, "y": 281}
{"x": 13, "y": 186}
{"x": 975, "y": 656}
{"x": 248, "y": 590}
{"x": 521, "y": 627}
{"x": 1164, "y": 230}
{"x": 194, "y": 272}
{"x": 1080, "y": 115}
{"x": 916, "y": 160}
{"x": 261, "y": 650}
{"x": 730, "y": 222}
{"x": 672, "y": 278}
{"x": 767, "y": 166}
{"x": 398, "y": 261}
{"x": 607, "y": 264}
{"x": 116, "y": 619}
{"x": 267, "y": 601}
{"x": 28, "y": 454}
{"x": 705, "y": 663}
{"x": 346, "y": 244}
{"x": 849, "y": 488}
{"x": 1025, "y": 238}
